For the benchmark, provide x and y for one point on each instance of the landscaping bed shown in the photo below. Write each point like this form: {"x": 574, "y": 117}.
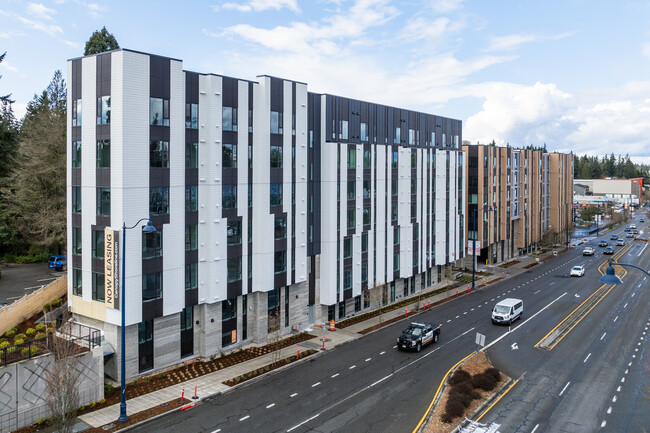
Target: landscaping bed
{"x": 510, "y": 263}
{"x": 260, "y": 371}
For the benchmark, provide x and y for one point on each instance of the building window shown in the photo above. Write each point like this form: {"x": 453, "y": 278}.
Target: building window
{"x": 414, "y": 186}
{"x": 280, "y": 262}
{"x": 151, "y": 286}
{"x": 347, "y": 248}
{"x": 366, "y": 159}
{"x": 273, "y": 310}
{"x": 191, "y": 155}
{"x": 276, "y": 122}
{"x": 234, "y": 269}
{"x": 396, "y": 263}
{"x": 244, "y": 309}
{"x": 395, "y": 159}
{"x": 414, "y": 208}
{"x": 191, "y": 235}
{"x": 280, "y": 227}
{"x": 352, "y": 190}
{"x": 191, "y": 276}
{"x": 159, "y": 154}
{"x": 352, "y": 158}
{"x": 366, "y": 299}
{"x": 76, "y": 199}
{"x": 76, "y": 282}
{"x": 394, "y": 187}
{"x": 187, "y": 320}
{"x": 158, "y": 200}
{"x": 76, "y": 112}
{"x": 364, "y": 273}
{"x": 286, "y": 306}
{"x": 364, "y": 132}
{"x": 76, "y": 154}
{"x": 414, "y": 160}
{"x": 393, "y": 211}
{"x": 104, "y": 201}
{"x": 234, "y": 233}
{"x": 192, "y": 116}
{"x": 151, "y": 244}
{"x": 145, "y": 338}
{"x": 276, "y": 194}
{"x": 229, "y": 155}
{"x": 331, "y": 309}
{"x": 366, "y": 188}
{"x": 103, "y": 153}
{"x": 396, "y": 139}
{"x": 352, "y": 218}
{"x": 341, "y": 309}
{"x": 364, "y": 242}
{"x": 229, "y": 196}
{"x": 250, "y": 129}
{"x": 366, "y": 216}
{"x": 98, "y": 287}
{"x": 276, "y": 156}
{"x": 97, "y": 239}
{"x": 76, "y": 240}
{"x": 103, "y": 110}
{"x": 396, "y": 235}
{"x": 411, "y": 137}
{"x": 159, "y": 111}
{"x": 191, "y": 198}
{"x": 145, "y": 331}
{"x": 416, "y": 233}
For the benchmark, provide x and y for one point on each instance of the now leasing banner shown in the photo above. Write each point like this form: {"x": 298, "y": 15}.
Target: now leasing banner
{"x": 111, "y": 268}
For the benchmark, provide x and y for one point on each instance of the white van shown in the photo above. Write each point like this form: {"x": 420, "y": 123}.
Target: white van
{"x": 507, "y": 311}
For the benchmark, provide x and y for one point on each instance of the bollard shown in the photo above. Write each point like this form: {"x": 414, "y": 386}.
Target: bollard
{"x": 468, "y": 287}
{"x": 456, "y": 291}
{"x": 429, "y": 303}
{"x": 298, "y": 354}
{"x": 182, "y": 396}
{"x": 406, "y": 311}
{"x": 484, "y": 281}
{"x": 323, "y": 344}
{"x": 196, "y": 387}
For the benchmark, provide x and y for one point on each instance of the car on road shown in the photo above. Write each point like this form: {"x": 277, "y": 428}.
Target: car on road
{"x": 602, "y": 243}
{"x": 641, "y": 220}
{"x": 620, "y": 243}
{"x": 608, "y": 250}
{"x": 627, "y": 229}
{"x": 58, "y": 263}
{"x": 632, "y": 226}
{"x": 577, "y": 271}
{"x": 507, "y": 311}
{"x": 587, "y": 251}
{"x": 629, "y": 235}
{"x": 417, "y": 335}
{"x": 613, "y": 237}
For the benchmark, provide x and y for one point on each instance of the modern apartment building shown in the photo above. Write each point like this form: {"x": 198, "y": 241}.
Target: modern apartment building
{"x": 517, "y": 196}
{"x": 274, "y": 207}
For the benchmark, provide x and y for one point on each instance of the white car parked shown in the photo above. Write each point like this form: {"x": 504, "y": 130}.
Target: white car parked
{"x": 577, "y": 271}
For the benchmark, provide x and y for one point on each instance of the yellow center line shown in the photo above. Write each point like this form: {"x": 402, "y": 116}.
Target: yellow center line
{"x": 497, "y": 400}
{"x": 442, "y": 382}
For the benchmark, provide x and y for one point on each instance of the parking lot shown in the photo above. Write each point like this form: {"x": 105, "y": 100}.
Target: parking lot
{"x": 19, "y": 280}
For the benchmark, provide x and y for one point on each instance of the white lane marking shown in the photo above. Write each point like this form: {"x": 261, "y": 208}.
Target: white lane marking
{"x": 534, "y": 293}
{"x": 30, "y": 288}
{"x": 522, "y": 323}
{"x": 244, "y": 418}
{"x": 270, "y": 406}
{"x": 368, "y": 359}
{"x": 334, "y": 375}
{"x": 457, "y": 317}
{"x": 629, "y": 364}
{"x": 633, "y": 295}
{"x": 47, "y": 279}
{"x": 622, "y": 380}
{"x": 448, "y": 320}
{"x": 564, "y": 389}
{"x": 304, "y": 422}
{"x": 624, "y": 306}
{"x": 586, "y": 358}
{"x": 609, "y": 410}
{"x": 618, "y": 389}
{"x": 641, "y": 252}
{"x": 217, "y": 430}
{"x": 492, "y": 299}
{"x": 480, "y": 305}
{"x": 614, "y": 399}
{"x": 354, "y": 366}
{"x": 381, "y": 353}
{"x": 381, "y": 380}
{"x": 626, "y": 371}
{"x": 472, "y": 309}
{"x": 14, "y": 297}
{"x": 603, "y": 336}
{"x": 615, "y": 318}
{"x": 603, "y": 424}
{"x": 395, "y": 346}
{"x": 533, "y": 431}
{"x": 293, "y": 395}
{"x": 465, "y": 312}
{"x": 315, "y": 385}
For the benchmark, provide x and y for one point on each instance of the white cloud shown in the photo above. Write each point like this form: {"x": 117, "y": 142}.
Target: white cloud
{"x": 645, "y": 49}
{"x": 510, "y": 42}
{"x": 94, "y": 10}
{"x": 40, "y": 11}
{"x": 445, "y": 6}
{"x": 8, "y": 66}
{"x": 259, "y": 5}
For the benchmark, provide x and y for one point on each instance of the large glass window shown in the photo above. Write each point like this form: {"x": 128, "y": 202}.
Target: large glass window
{"x": 366, "y": 188}
{"x": 186, "y": 318}
{"x": 364, "y": 132}
{"x": 76, "y": 199}
{"x": 276, "y": 122}
{"x": 229, "y": 155}
{"x": 352, "y": 158}
{"x": 151, "y": 286}
{"x": 76, "y": 240}
{"x": 393, "y": 187}
{"x": 159, "y": 154}
{"x": 234, "y": 232}
{"x": 98, "y": 287}
{"x": 158, "y": 200}
{"x": 280, "y": 262}
{"x": 276, "y": 156}
{"x": 352, "y": 190}
{"x": 76, "y": 282}
{"x": 393, "y": 211}
{"x": 76, "y": 154}
{"x": 347, "y": 279}
{"x": 104, "y": 201}
{"x": 103, "y": 153}
{"x": 234, "y": 269}
{"x": 145, "y": 331}
{"x": 97, "y": 239}
{"x": 364, "y": 273}
{"x": 280, "y": 227}
{"x": 229, "y": 119}
{"x": 191, "y": 198}
{"x": 347, "y": 248}
{"x": 276, "y": 194}
{"x": 395, "y": 235}
{"x": 396, "y": 262}
{"x": 191, "y": 235}
{"x": 364, "y": 242}
{"x": 103, "y": 110}
{"x": 151, "y": 244}
{"x": 229, "y": 196}
{"x": 343, "y": 134}
{"x": 192, "y": 116}
{"x": 191, "y": 155}
{"x": 352, "y": 218}
{"x": 366, "y": 216}
{"x": 159, "y": 111}
{"x": 191, "y": 276}
{"x": 76, "y": 112}
{"x": 396, "y": 139}
{"x": 395, "y": 159}
{"x": 366, "y": 159}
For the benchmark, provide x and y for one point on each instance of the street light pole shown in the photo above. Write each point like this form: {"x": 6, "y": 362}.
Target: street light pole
{"x": 149, "y": 228}
{"x": 610, "y": 276}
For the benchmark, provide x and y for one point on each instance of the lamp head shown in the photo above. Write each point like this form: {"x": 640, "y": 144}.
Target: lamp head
{"x": 610, "y": 276}
{"x": 149, "y": 228}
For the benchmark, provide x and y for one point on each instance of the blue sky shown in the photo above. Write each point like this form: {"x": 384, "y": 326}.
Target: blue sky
{"x": 574, "y": 74}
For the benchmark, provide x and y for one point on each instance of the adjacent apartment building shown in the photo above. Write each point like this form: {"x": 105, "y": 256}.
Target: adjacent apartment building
{"x": 516, "y": 197}
{"x": 274, "y": 207}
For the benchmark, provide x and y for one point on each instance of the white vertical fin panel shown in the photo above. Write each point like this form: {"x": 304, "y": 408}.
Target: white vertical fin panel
{"x": 302, "y": 173}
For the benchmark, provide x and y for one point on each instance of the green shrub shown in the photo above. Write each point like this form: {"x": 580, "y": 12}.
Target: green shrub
{"x": 162, "y": 376}
{"x": 134, "y": 383}
{"x": 459, "y": 376}
{"x": 108, "y": 389}
{"x": 28, "y": 258}
{"x": 102, "y": 401}
{"x": 82, "y": 407}
{"x": 18, "y": 341}
{"x": 92, "y": 404}
{"x": 212, "y": 357}
{"x": 10, "y": 334}
{"x": 56, "y": 302}
{"x": 25, "y": 351}
{"x": 40, "y": 335}
{"x": 4, "y": 344}
{"x": 40, "y": 326}
{"x": 46, "y": 306}
{"x": 30, "y": 332}
{"x": 21, "y": 337}
{"x": 41, "y": 421}
{"x": 50, "y": 329}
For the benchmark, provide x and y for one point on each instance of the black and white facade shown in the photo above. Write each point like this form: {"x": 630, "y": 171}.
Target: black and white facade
{"x": 274, "y": 207}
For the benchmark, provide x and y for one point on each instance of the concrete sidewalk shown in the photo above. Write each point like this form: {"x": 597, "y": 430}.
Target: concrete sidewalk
{"x": 212, "y": 383}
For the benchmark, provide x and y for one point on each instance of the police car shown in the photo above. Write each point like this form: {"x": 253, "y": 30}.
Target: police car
{"x": 417, "y": 335}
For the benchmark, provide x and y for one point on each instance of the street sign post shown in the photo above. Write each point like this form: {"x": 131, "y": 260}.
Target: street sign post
{"x": 480, "y": 342}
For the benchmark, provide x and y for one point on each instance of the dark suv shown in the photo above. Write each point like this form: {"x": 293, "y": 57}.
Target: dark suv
{"x": 417, "y": 335}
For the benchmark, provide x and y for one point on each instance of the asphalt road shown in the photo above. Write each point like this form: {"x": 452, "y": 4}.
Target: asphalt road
{"x": 367, "y": 385}
{"x": 19, "y": 280}
{"x": 597, "y": 377}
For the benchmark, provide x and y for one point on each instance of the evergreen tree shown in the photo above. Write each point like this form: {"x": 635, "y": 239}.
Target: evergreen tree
{"x": 100, "y": 41}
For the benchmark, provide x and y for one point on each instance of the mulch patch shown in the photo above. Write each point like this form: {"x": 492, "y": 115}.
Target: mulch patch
{"x": 260, "y": 371}
{"x": 510, "y": 263}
